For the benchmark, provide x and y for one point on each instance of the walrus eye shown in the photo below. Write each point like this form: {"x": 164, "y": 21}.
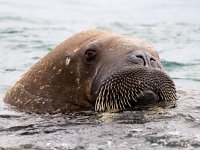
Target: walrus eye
{"x": 90, "y": 55}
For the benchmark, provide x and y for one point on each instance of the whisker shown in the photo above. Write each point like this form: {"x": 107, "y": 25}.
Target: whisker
{"x": 124, "y": 89}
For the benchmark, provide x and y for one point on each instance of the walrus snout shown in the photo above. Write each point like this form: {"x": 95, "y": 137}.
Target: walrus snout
{"x": 130, "y": 87}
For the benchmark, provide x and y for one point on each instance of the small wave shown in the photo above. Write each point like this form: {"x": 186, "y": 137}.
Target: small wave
{"x": 187, "y": 78}
{"x": 7, "y": 116}
{"x": 46, "y": 47}
{"x": 173, "y": 64}
{"x": 22, "y": 19}
{"x": 11, "y": 31}
{"x": 12, "y": 69}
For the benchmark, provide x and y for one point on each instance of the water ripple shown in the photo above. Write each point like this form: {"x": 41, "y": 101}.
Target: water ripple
{"x": 172, "y": 64}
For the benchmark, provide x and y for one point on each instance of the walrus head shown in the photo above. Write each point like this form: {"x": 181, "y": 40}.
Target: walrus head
{"x": 128, "y": 73}
{"x": 94, "y": 70}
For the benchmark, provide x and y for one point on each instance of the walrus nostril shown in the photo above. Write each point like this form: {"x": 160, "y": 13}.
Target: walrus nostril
{"x": 142, "y": 57}
{"x": 138, "y": 57}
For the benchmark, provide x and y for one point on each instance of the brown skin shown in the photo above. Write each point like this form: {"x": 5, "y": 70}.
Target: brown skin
{"x": 54, "y": 86}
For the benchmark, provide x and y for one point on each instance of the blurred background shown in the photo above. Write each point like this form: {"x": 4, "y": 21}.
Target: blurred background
{"x": 30, "y": 29}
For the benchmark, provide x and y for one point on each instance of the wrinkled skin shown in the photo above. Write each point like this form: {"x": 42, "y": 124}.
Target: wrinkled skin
{"x": 93, "y": 70}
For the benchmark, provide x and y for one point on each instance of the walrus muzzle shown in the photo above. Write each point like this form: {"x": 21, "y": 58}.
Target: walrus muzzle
{"x": 132, "y": 84}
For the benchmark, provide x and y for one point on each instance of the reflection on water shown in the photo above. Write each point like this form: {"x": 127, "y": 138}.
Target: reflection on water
{"x": 29, "y": 30}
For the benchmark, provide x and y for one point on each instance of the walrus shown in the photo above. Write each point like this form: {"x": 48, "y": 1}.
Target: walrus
{"x": 93, "y": 70}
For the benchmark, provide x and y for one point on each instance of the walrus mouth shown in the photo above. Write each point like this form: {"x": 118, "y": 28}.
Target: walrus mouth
{"x": 131, "y": 87}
